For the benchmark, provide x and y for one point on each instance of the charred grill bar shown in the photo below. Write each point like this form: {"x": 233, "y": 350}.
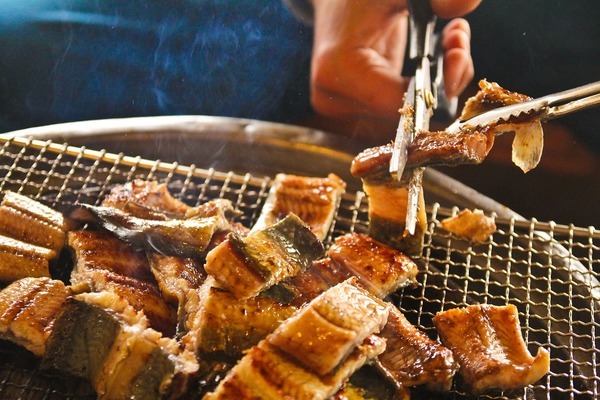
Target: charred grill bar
{"x": 549, "y": 272}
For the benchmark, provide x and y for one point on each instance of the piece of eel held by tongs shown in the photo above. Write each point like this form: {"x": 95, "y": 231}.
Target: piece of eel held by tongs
{"x": 543, "y": 108}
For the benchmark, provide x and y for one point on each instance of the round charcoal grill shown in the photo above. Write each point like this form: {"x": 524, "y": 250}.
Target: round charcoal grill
{"x": 548, "y": 271}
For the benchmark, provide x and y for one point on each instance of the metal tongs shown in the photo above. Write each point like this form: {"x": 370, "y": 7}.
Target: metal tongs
{"x": 422, "y": 96}
{"x": 545, "y": 108}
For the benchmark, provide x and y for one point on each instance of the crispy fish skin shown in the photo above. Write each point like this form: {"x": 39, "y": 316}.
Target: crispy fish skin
{"x": 101, "y": 338}
{"x": 246, "y": 266}
{"x": 488, "y": 344}
{"x": 414, "y": 359}
{"x": 313, "y": 199}
{"x": 28, "y": 308}
{"x": 175, "y": 237}
{"x": 81, "y": 340}
{"x": 380, "y": 268}
{"x": 226, "y": 325}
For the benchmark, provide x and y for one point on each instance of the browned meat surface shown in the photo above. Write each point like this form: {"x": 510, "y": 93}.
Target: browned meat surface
{"x": 329, "y": 327}
{"x": 28, "y": 308}
{"x": 412, "y": 358}
{"x": 103, "y": 262}
{"x": 428, "y": 149}
{"x": 95, "y": 250}
{"x": 313, "y": 353}
{"x": 488, "y": 344}
{"x": 490, "y": 96}
{"x": 314, "y": 200}
{"x": 319, "y": 277}
{"x": 380, "y": 268}
{"x": 267, "y": 373}
{"x": 32, "y": 235}
{"x": 141, "y": 295}
{"x": 19, "y": 259}
{"x": 175, "y": 276}
{"x": 32, "y": 222}
{"x": 145, "y": 199}
{"x": 246, "y": 266}
{"x": 471, "y": 225}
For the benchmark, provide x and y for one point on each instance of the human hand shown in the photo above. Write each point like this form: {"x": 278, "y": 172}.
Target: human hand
{"x": 358, "y": 56}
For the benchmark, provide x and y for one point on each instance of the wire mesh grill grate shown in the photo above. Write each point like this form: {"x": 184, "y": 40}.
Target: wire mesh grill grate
{"x": 549, "y": 272}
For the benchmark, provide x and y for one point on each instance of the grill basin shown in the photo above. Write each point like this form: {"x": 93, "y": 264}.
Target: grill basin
{"x": 550, "y": 272}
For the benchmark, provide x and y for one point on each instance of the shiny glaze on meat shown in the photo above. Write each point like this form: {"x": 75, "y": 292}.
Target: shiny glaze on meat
{"x": 487, "y": 342}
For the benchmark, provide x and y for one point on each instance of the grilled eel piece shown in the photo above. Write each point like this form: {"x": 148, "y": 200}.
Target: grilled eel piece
{"x": 314, "y": 200}
{"x": 246, "y": 266}
{"x": 488, "y": 344}
{"x": 175, "y": 277}
{"x": 313, "y": 353}
{"x": 32, "y": 222}
{"x": 145, "y": 199}
{"x": 19, "y": 260}
{"x": 219, "y": 325}
{"x": 28, "y": 308}
{"x": 411, "y": 358}
{"x": 388, "y": 197}
{"x": 220, "y": 322}
{"x": 388, "y": 204}
{"x": 31, "y": 236}
{"x": 378, "y": 268}
{"x": 153, "y": 201}
{"x": 172, "y": 237}
{"x": 103, "y": 262}
{"x": 100, "y": 337}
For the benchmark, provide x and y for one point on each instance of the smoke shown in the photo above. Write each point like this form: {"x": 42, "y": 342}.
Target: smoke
{"x": 107, "y": 59}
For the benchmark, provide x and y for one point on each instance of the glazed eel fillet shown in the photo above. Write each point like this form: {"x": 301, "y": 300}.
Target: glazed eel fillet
{"x": 103, "y": 262}
{"x": 488, "y": 344}
{"x": 218, "y": 322}
{"x": 32, "y": 235}
{"x": 245, "y": 266}
{"x": 145, "y": 199}
{"x": 100, "y": 337}
{"x": 188, "y": 237}
{"x": 314, "y": 200}
{"x": 312, "y": 354}
{"x": 28, "y": 308}
{"x": 411, "y": 358}
{"x": 388, "y": 197}
{"x": 219, "y": 325}
{"x": 152, "y": 200}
